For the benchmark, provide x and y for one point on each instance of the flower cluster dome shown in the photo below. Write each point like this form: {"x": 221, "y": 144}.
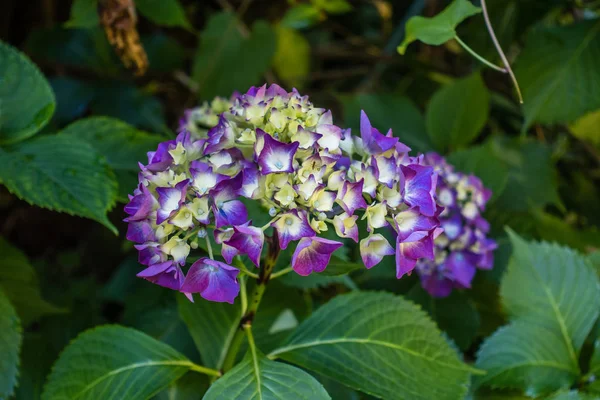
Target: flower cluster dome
{"x": 312, "y": 176}
{"x": 463, "y": 247}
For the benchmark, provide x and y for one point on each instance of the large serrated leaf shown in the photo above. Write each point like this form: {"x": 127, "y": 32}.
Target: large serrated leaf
{"x": 10, "y": 346}
{"x": 539, "y": 352}
{"x": 121, "y": 144}
{"x": 555, "y": 73}
{"x": 258, "y": 378}
{"x": 539, "y": 286}
{"x": 26, "y": 99}
{"x": 528, "y": 357}
{"x": 439, "y": 29}
{"x": 61, "y": 173}
{"x": 114, "y": 362}
{"x": 457, "y": 113}
{"x": 380, "y": 344}
{"x": 20, "y": 284}
{"x": 223, "y": 49}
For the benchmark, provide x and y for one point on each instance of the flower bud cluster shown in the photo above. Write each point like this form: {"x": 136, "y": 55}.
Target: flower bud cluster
{"x": 276, "y": 148}
{"x": 463, "y": 246}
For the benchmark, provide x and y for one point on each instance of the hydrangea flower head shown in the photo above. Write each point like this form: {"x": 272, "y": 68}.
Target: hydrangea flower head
{"x": 278, "y": 149}
{"x": 463, "y": 247}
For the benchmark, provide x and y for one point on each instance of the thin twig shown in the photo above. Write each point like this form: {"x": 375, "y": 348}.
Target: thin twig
{"x": 490, "y": 29}
{"x": 477, "y": 56}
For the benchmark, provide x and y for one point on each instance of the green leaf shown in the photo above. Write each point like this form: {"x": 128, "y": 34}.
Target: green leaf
{"x": 553, "y": 73}
{"x": 457, "y": 113}
{"x": 333, "y": 6}
{"x": 189, "y": 387}
{"x": 380, "y": 344}
{"x": 60, "y": 173}
{"x": 258, "y": 378}
{"x": 10, "y": 346}
{"x": 292, "y": 58}
{"x": 483, "y": 162}
{"x": 389, "y": 111}
{"x": 538, "y": 287}
{"x": 26, "y": 99}
{"x": 586, "y": 128}
{"x": 281, "y": 311}
{"x": 80, "y": 48}
{"x": 165, "y": 54}
{"x": 122, "y": 145}
{"x": 163, "y": 12}
{"x": 439, "y": 29}
{"x": 130, "y": 104}
{"x": 223, "y": 49}
{"x": 443, "y": 311}
{"x": 19, "y": 282}
{"x": 302, "y": 16}
{"x": 212, "y": 326}
{"x": 338, "y": 267}
{"x": 532, "y": 179}
{"x": 314, "y": 281}
{"x": 73, "y": 98}
{"x": 84, "y": 14}
{"x": 554, "y": 229}
{"x": 528, "y": 357}
{"x": 113, "y": 361}
{"x": 537, "y": 294}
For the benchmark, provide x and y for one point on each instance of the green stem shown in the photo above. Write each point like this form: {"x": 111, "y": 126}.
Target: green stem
{"x": 477, "y": 56}
{"x": 242, "y": 267}
{"x": 245, "y": 322}
{"x": 202, "y": 370}
{"x": 282, "y": 272}
{"x": 490, "y": 29}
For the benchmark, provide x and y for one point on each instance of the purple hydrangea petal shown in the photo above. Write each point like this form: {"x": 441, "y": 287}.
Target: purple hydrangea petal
{"x": 220, "y": 137}
{"x": 408, "y": 251}
{"x": 453, "y": 226}
{"x": 374, "y": 248}
{"x": 140, "y": 205}
{"x": 419, "y": 188}
{"x": 350, "y": 196}
{"x": 437, "y": 285}
{"x": 214, "y": 280}
{"x": 203, "y": 177}
{"x": 166, "y": 274}
{"x": 313, "y": 254}
{"x": 412, "y": 220}
{"x": 248, "y": 240}
{"x": 462, "y": 267}
{"x": 140, "y": 231}
{"x": 160, "y": 159}
{"x": 150, "y": 253}
{"x": 373, "y": 140}
{"x": 231, "y": 212}
{"x": 291, "y": 226}
{"x": 276, "y": 157}
{"x": 170, "y": 199}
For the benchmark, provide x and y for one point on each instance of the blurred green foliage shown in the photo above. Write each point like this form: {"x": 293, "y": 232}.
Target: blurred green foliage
{"x": 74, "y": 123}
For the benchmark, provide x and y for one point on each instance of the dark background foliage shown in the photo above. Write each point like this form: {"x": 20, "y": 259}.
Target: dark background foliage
{"x": 542, "y": 158}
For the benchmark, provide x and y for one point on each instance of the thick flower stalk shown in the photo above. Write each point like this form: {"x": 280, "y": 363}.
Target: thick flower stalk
{"x": 463, "y": 247}
{"x": 278, "y": 149}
